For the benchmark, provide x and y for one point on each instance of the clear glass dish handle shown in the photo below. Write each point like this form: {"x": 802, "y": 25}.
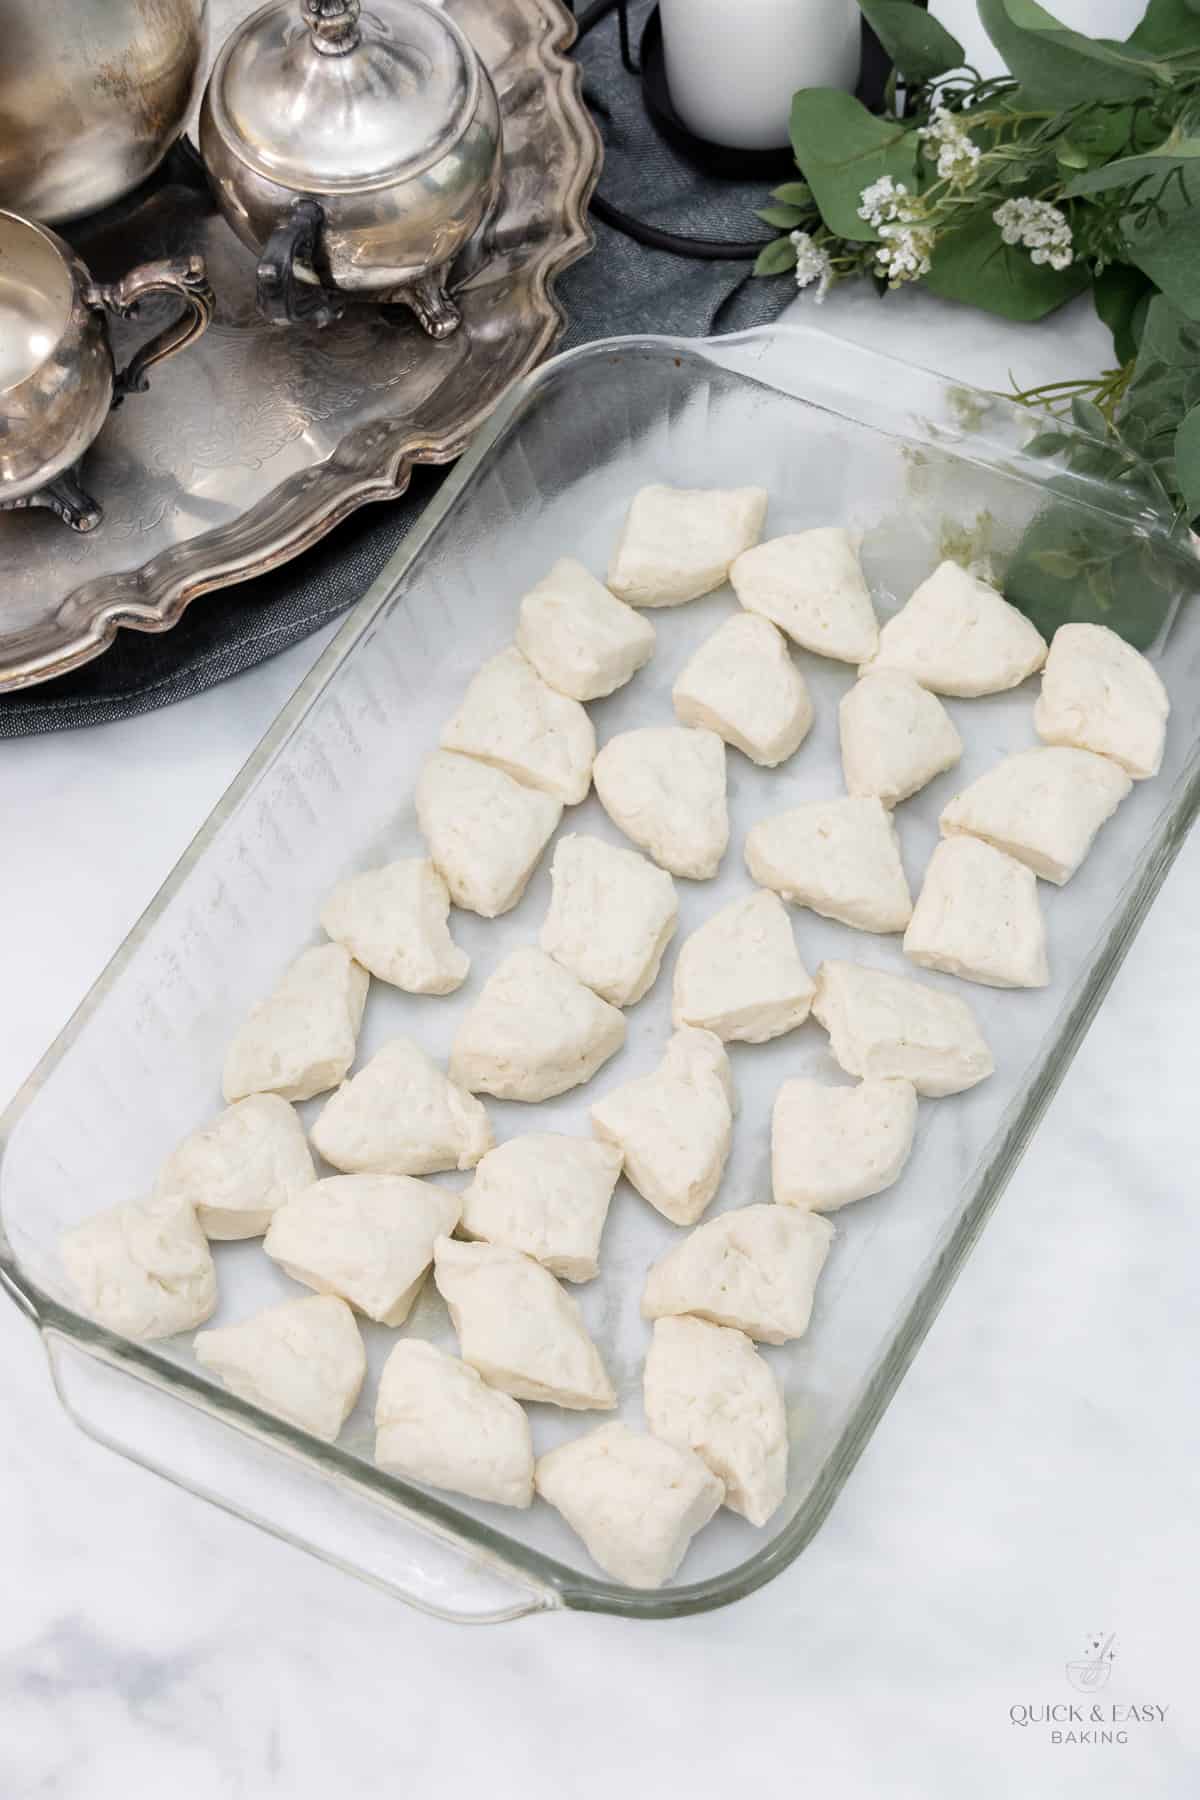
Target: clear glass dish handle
{"x": 331, "y": 1517}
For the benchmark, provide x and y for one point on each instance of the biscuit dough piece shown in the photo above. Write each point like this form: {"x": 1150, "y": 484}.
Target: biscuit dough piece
{"x": 674, "y": 1127}
{"x": 578, "y": 637}
{"x": 1042, "y": 806}
{"x": 978, "y": 916}
{"x": 839, "y": 857}
{"x": 534, "y": 1031}
{"x": 485, "y": 831}
{"x": 678, "y": 543}
{"x": 956, "y": 635}
{"x": 511, "y": 719}
{"x": 303, "y": 1360}
{"x": 300, "y": 1040}
{"x": 437, "y": 1422}
{"x": 546, "y": 1195}
{"x": 832, "y": 1145}
{"x": 239, "y": 1169}
{"x": 367, "y": 1238}
{"x": 143, "y": 1267}
{"x": 636, "y": 1501}
{"x": 612, "y": 915}
{"x": 885, "y": 1026}
{"x": 393, "y": 921}
{"x": 896, "y": 736}
{"x": 811, "y": 585}
{"x": 400, "y": 1115}
{"x": 742, "y": 684}
{"x": 664, "y": 786}
{"x": 1099, "y": 693}
{"x": 708, "y": 1389}
{"x": 518, "y": 1328}
{"x": 739, "y": 975}
{"x": 754, "y": 1269}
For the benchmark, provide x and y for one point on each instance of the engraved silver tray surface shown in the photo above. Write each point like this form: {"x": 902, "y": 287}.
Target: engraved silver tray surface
{"x": 835, "y": 433}
{"x": 257, "y": 443}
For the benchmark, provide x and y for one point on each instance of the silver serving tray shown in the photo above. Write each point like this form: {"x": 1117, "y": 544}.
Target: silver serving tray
{"x": 255, "y": 444}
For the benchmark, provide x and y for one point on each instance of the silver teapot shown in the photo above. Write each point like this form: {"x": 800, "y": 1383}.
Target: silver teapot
{"x": 58, "y": 381}
{"x": 357, "y": 153}
{"x": 93, "y": 93}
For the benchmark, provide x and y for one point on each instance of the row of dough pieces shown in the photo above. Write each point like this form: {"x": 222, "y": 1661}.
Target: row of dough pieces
{"x": 830, "y": 1145}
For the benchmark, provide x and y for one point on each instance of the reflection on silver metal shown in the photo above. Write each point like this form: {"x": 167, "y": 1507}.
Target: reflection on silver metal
{"x": 57, "y": 377}
{"x": 357, "y": 154}
{"x": 260, "y": 441}
{"x": 92, "y": 96}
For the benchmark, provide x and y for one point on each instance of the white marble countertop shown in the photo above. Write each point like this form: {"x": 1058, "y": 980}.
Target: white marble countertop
{"x": 1033, "y": 1483}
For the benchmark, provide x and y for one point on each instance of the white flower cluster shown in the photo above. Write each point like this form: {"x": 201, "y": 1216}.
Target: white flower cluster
{"x": 1039, "y": 227}
{"x": 946, "y": 136}
{"x": 812, "y": 264}
{"x": 883, "y": 202}
{"x": 904, "y": 254}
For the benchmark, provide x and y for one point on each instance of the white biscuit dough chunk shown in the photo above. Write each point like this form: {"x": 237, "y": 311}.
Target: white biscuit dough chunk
{"x": 242, "y": 1167}
{"x": 438, "y": 1422}
{"x": 393, "y": 921}
{"x": 303, "y": 1360}
{"x": 513, "y": 720}
{"x": 888, "y": 1027}
{"x": 401, "y": 1115}
{"x": 678, "y": 543}
{"x": 300, "y": 1040}
{"x": 1099, "y": 693}
{"x": 367, "y": 1238}
{"x": 674, "y": 1127}
{"x": 143, "y": 1268}
{"x": 664, "y": 787}
{"x": 742, "y": 684}
{"x": 978, "y": 916}
{"x": 612, "y": 915}
{"x": 740, "y": 975}
{"x": 578, "y": 636}
{"x": 518, "y": 1327}
{"x": 546, "y": 1195}
{"x": 956, "y": 635}
{"x": 811, "y": 585}
{"x": 833, "y": 1145}
{"x": 839, "y": 857}
{"x": 709, "y": 1390}
{"x": 636, "y": 1501}
{"x": 755, "y": 1269}
{"x": 485, "y": 831}
{"x": 534, "y": 1031}
{"x": 896, "y": 736}
{"x": 1042, "y": 806}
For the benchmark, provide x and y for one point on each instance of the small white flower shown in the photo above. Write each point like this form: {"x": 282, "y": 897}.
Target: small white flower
{"x": 957, "y": 156}
{"x": 904, "y": 254}
{"x": 884, "y": 201}
{"x": 1039, "y": 228}
{"x": 812, "y": 264}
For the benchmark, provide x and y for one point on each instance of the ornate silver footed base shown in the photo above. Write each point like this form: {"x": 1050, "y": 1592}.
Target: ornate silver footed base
{"x": 64, "y": 497}
{"x": 290, "y": 293}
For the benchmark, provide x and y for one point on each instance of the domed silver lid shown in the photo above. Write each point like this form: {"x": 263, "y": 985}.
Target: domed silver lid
{"x": 318, "y": 97}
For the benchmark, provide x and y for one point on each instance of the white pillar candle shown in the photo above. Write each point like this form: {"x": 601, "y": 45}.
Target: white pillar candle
{"x": 733, "y": 65}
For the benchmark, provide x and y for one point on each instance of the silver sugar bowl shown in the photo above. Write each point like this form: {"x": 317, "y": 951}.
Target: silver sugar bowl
{"x": 356, "y": 152}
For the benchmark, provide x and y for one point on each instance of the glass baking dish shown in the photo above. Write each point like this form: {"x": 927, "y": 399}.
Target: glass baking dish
{"x": 837, "y": 434}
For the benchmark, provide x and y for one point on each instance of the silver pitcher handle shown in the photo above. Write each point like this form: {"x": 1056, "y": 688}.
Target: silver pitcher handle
{"x": 183, "y": 276}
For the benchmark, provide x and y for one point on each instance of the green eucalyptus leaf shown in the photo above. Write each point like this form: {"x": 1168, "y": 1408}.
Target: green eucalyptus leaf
{"x": 1060, "y": 563}
{"x": 1070, "y": 155}
{"x": 776, "y": 258}
{"x": 1060, "y": 576}
{"x": 974, "y": 264}
{"x": 793, "y": 193}
{"x": 1120, "y": 294}
{"x": 785, "y": 217}
{"x": 1047, "y": 443}
{"x": 841, "y": 149}
{"x": 1167, "y": 27}
{"x": 1088, "y": 417}
{"x": 1167, "y": 249}
{"x": 1187, "y": 461}
{"x": 1180, "y": 151}
{"x": 1057, "y": 67}
{"x": 920, "y": 48}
